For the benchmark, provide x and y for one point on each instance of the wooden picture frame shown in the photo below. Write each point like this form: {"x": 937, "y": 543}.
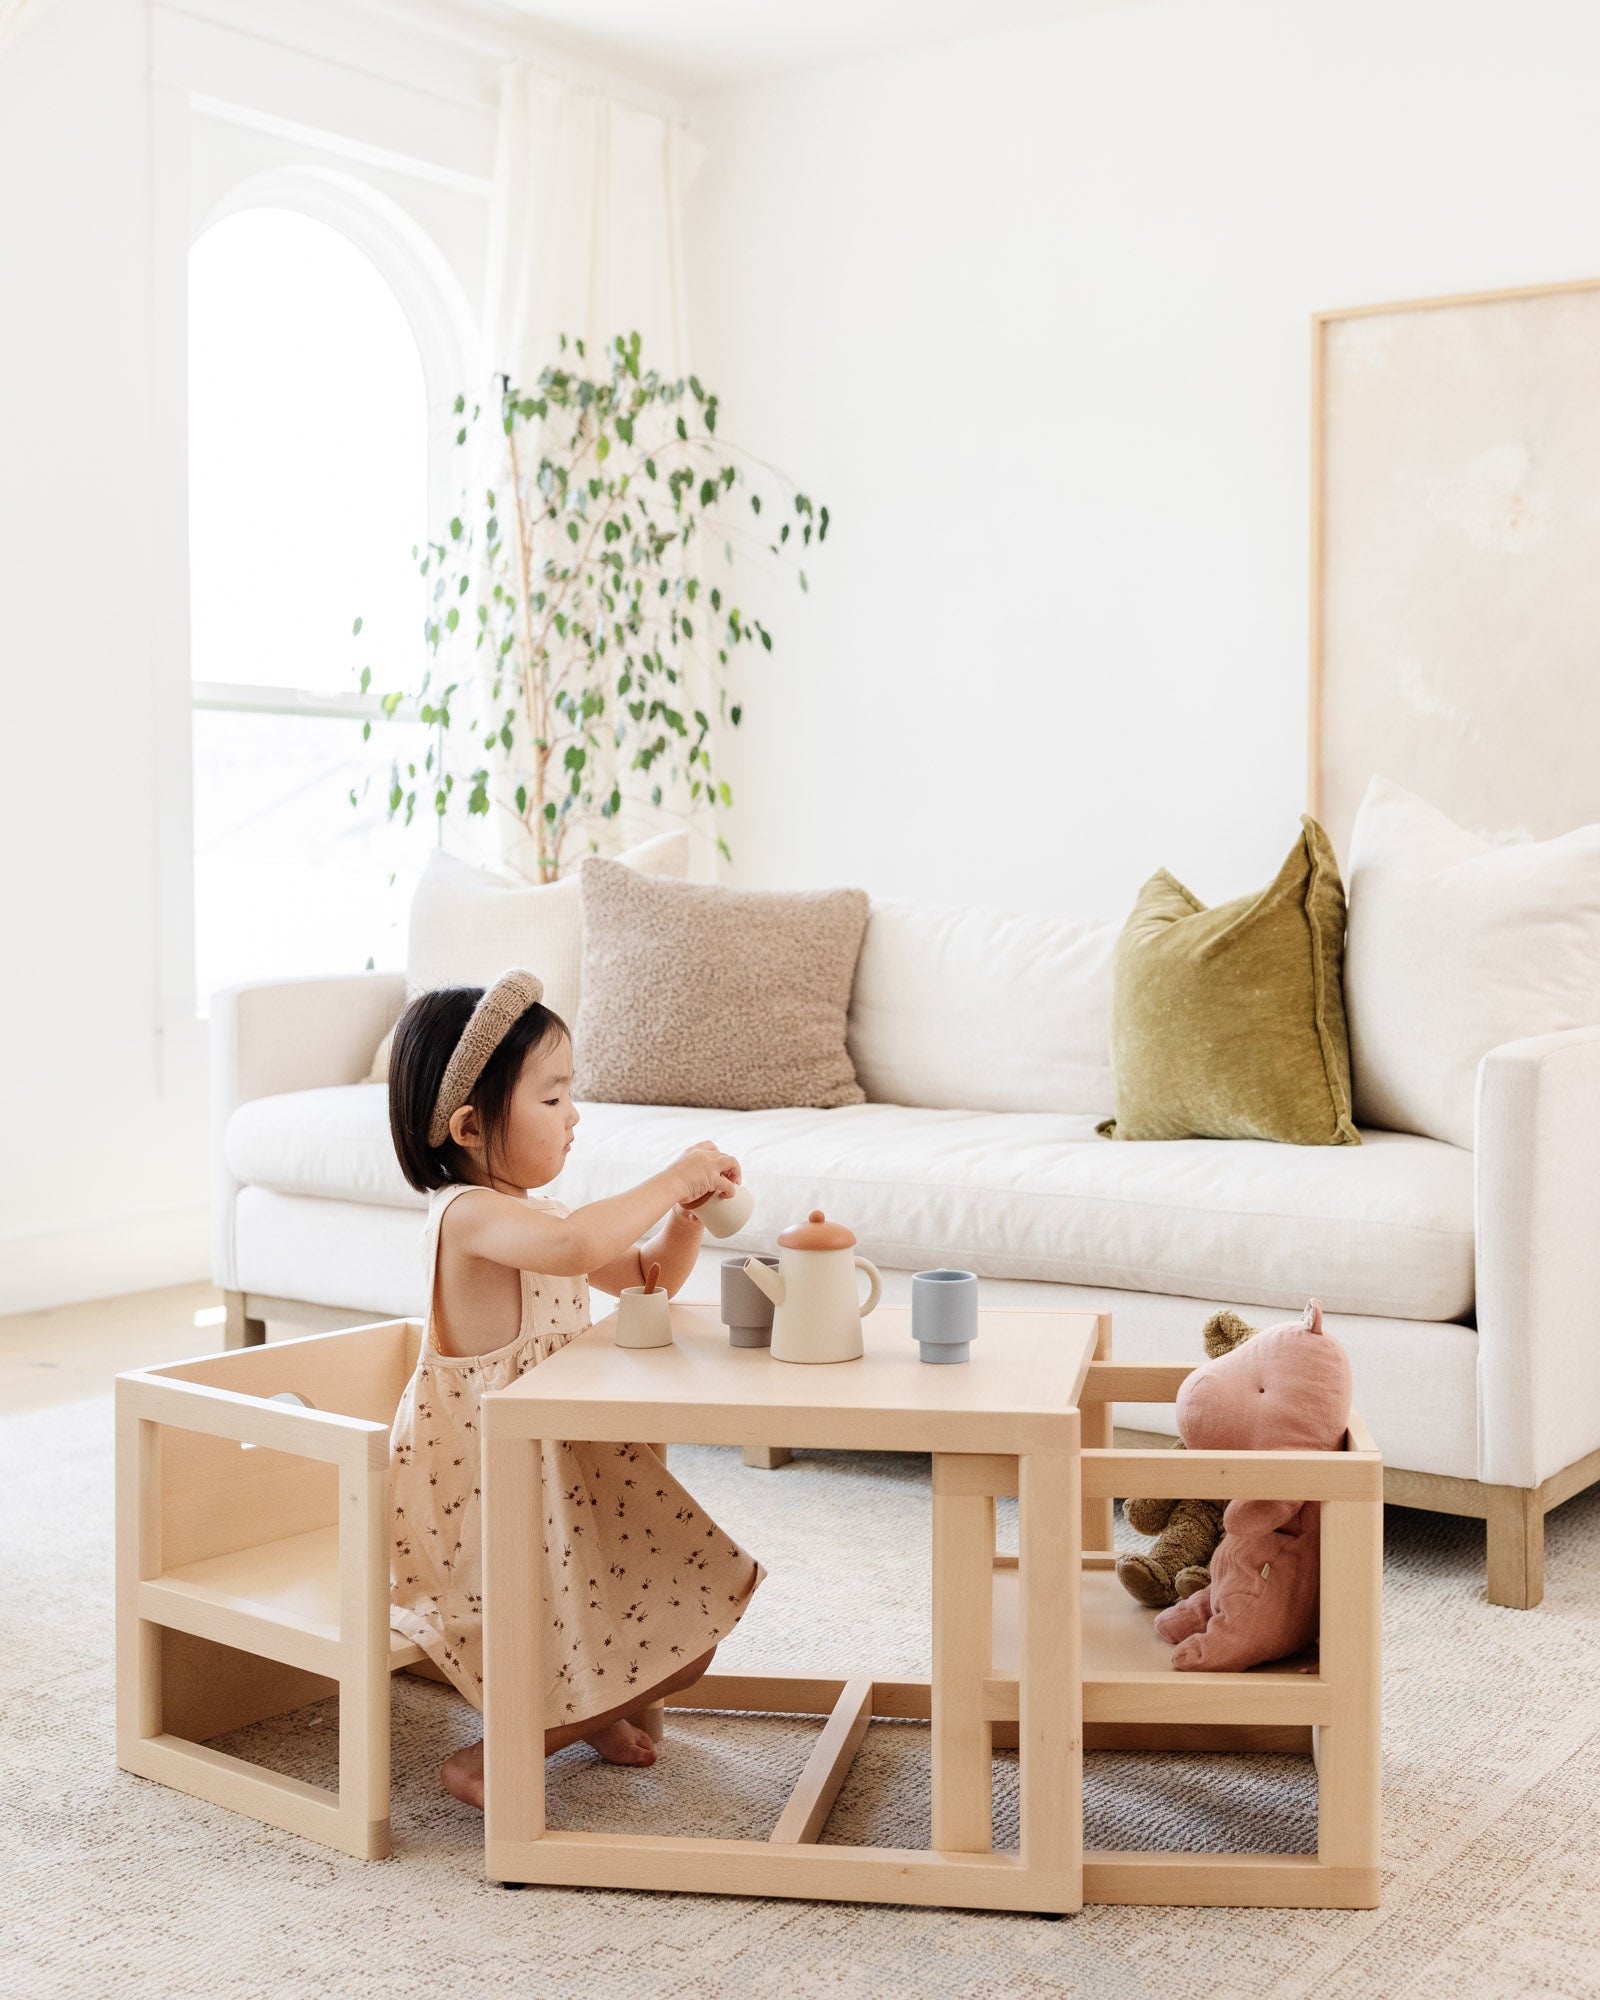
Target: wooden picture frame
{"x": 1455, "y": 557}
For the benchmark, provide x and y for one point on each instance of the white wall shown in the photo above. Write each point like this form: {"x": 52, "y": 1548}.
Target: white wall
{"x": 122, "y": 124}
{"x": 1031, "y": 313}
{"x": 97, "y": 1179}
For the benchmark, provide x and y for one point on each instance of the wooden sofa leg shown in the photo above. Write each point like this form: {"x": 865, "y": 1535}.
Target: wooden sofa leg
{"x": 767, "y": 1457}
{"x": 1516, "y": 1546}
{"x": 242, "y": 1331}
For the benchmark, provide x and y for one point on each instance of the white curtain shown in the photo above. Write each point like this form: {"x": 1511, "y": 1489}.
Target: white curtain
{"x": 586, "y": 239}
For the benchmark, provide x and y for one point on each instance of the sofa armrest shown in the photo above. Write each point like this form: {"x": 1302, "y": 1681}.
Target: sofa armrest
{"x": 281, "y": 1035}
{"x": 1538, "y": 1254}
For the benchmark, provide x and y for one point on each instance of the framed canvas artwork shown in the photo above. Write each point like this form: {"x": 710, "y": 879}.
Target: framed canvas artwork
{"x": 1455, "y": 601}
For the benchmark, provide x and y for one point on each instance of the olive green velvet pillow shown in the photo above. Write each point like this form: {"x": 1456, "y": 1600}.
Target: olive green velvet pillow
{"x": 1229, "y": 1023}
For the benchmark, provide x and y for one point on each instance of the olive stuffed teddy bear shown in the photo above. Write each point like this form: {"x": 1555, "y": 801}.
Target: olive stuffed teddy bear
{"x": 1186, "y": 1531}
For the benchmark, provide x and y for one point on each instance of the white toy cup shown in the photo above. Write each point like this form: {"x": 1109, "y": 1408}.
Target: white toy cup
{"x": 644, "y": 1319}
{"x": 727, "y": 1214}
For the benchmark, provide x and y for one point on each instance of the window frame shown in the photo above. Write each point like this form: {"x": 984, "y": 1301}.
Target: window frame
{"x": 436, "y": 310}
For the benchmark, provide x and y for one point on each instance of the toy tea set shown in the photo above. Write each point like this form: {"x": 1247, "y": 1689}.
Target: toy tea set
{"x": 805, "y": 1304}
{"x": 1233, "y": 1587}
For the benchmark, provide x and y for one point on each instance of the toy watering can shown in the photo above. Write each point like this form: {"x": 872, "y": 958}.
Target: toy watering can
{"x": 819, "y": 1312}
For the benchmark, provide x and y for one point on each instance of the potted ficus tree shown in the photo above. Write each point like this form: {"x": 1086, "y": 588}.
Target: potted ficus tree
{"x": 581, "y": 623}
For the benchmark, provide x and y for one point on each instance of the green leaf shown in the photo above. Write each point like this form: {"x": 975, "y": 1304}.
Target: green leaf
{"x": 455, "y": 527}
{"x": 522, "y": 798}
{"x": 355, "y": 628}
{"x": 366, "y": 679}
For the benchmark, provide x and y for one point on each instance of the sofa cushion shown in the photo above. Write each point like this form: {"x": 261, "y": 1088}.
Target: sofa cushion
{"x": 1228, "y": 1023}
{"x": 1457, "y": 946}
{"x": 694, "y": 994}
{"x": 983, "y": 1010}
{"x": 1384, "y": 1229}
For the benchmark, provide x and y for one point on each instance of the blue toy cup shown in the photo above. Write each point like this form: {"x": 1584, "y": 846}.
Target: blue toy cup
{"x": 944, "y": 1314}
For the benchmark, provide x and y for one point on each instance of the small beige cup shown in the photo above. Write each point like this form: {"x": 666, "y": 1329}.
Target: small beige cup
{"x": 644, "y": 1319}
{"x": 727, "y": 1214}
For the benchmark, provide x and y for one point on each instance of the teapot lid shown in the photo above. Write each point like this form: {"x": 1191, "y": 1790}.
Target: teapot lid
{"x": 816, "y": 1233}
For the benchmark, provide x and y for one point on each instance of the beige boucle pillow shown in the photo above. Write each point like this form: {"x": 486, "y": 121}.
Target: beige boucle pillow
{"x": 733, "y": 999}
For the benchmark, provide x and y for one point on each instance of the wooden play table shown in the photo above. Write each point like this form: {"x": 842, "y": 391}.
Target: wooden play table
{"x": 1042, "y": 1651}
{"x": 1005, "y": 1421}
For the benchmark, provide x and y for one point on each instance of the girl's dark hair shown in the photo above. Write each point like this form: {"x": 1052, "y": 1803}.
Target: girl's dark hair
{"x": 425, "y": 1037}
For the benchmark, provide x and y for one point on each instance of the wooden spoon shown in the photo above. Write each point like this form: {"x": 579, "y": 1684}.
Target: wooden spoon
{"x": 651, "y": 1276}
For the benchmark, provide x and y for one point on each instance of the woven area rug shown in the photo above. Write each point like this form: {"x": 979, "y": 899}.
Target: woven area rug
{"x": 111, "y": 1884}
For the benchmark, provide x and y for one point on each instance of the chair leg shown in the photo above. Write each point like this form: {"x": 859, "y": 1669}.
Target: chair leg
{"x": 241, "y": 1330}
{"x": 1516, "y": 1546}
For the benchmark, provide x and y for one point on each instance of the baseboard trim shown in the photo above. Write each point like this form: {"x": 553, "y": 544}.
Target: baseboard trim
{"x": 139, "y": 1253}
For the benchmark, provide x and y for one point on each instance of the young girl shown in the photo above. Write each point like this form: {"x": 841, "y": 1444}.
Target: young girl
{"x": 481, "y": 1111}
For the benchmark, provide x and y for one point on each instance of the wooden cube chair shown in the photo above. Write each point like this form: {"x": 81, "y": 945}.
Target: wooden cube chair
{"x": 253, "y": 1571}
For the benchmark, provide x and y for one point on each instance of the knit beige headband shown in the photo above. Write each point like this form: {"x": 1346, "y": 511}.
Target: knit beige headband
{"x": 495, "y": 1015}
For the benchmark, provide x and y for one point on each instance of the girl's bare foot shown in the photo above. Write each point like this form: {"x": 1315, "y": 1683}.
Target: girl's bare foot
{"x": 463, "y": 1775}
{"x": 622, "y": 1742}
{"x": 619, "y": 1742}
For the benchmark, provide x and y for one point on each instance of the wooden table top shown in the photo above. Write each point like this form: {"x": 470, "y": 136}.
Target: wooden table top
{"x": 1018, "y": 1391}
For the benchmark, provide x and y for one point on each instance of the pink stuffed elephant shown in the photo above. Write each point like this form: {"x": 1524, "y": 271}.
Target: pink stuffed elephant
{"x": 1286, "y": 1389}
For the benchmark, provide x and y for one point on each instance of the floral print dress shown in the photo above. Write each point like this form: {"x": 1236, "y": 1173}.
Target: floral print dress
{"x": 641, "y": 1579}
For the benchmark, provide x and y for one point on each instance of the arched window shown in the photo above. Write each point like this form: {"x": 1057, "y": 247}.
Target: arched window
{"x": 308, "y": 487}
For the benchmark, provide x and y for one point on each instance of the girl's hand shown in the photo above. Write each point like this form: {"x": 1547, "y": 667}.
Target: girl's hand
{"x": 703, "y": 1171}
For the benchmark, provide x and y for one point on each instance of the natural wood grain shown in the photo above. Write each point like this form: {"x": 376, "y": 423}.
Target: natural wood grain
{"x": 1049, "y": 1669}
{"x": 515, "y": 1612}
{"x": 804, "y": 1817}
{"x": 1095, "y": 1432}
{"x": 1235, "y": 1475}
{"x": 767, "y": 1457}
{"x": 963, "y": 1757}
{"x": 204, "y": 1464}
{"x": 1025, "y": 1370}
{"x": 1249, "y": 1881}
{"x": 757, "y": 1868}
{"x": 1349, "y": 1798}
{"x": 1515, "y": 1533}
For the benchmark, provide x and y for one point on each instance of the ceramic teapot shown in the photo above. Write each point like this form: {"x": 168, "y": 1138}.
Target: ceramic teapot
{"x": 819, "y": 1313}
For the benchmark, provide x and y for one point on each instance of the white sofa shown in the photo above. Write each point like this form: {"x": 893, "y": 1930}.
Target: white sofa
{"x": 1464, "y": 1284}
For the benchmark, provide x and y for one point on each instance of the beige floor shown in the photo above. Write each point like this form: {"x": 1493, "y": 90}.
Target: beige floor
{"x": 69, "y": 1353}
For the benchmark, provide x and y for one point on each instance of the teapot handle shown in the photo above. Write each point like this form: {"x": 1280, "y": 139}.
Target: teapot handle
{"x": 874, "y": 1286}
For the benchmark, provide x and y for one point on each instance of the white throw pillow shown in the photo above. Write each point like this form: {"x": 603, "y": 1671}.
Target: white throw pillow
{"x": 469, "y": 924}
{"x": 983, "y": 1010}
{"x": 1454, "y": 946}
